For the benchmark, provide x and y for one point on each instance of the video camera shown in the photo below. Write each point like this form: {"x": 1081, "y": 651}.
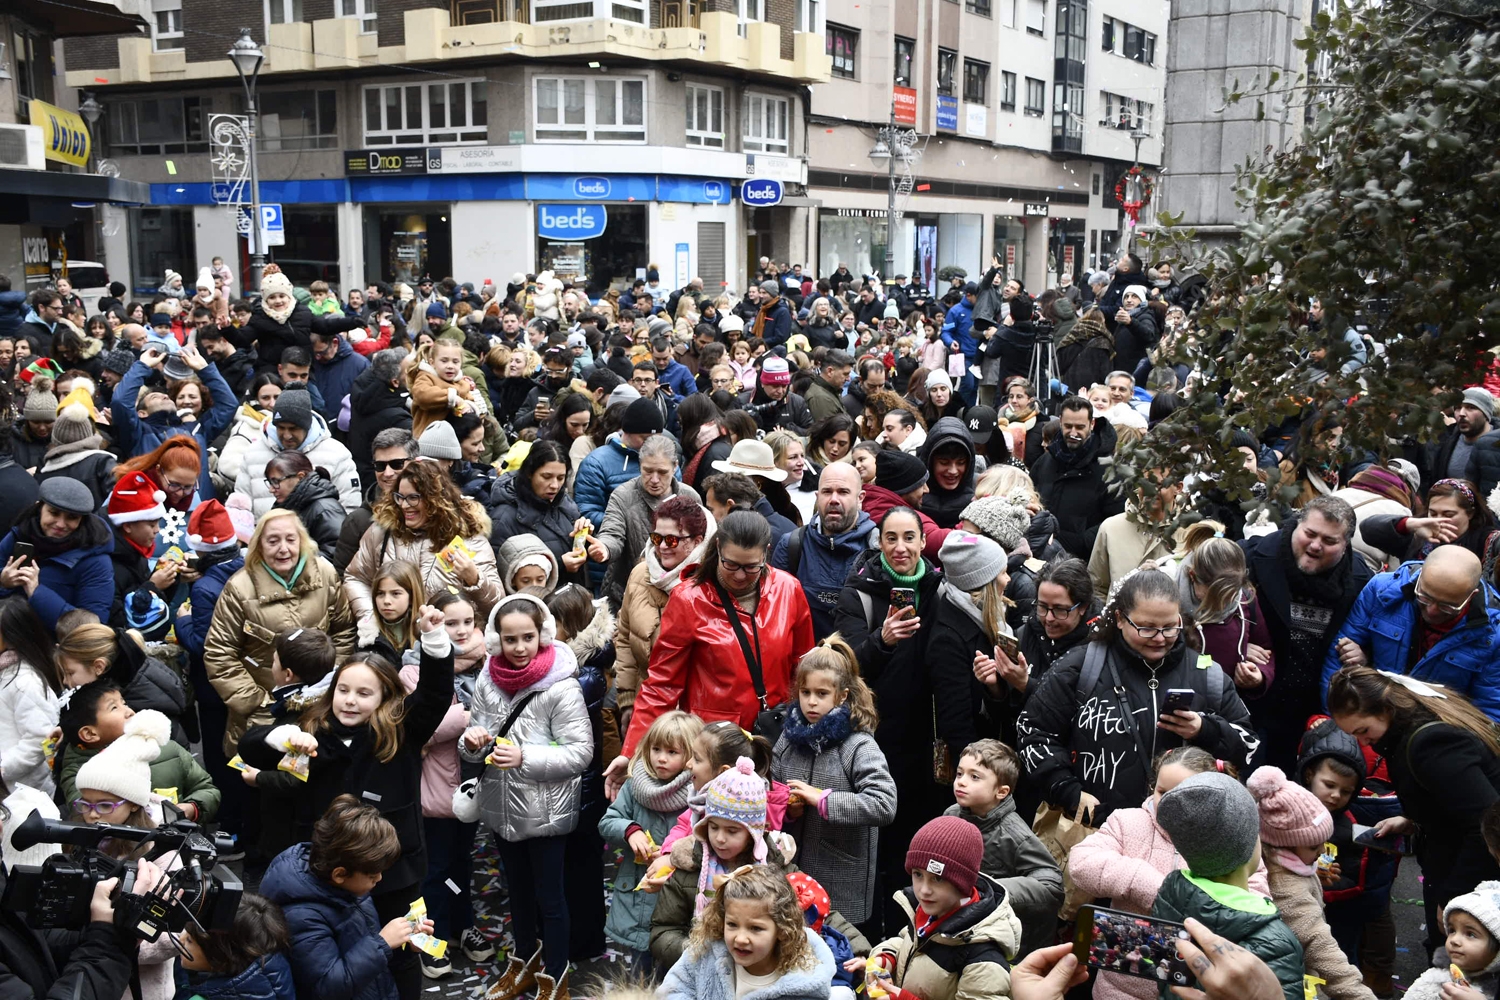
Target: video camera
{"x": 58, "y": 892}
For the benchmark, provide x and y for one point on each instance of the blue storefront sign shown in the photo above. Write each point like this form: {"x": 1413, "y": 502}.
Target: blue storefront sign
{"x": 571, "y": 222}
{"x": 567, "y": 187}
{"x": 761, "y": 193}
{"x": 947, "y": 113}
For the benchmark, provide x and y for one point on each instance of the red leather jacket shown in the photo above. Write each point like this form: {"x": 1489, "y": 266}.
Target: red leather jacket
{"x": 697, "y": 663}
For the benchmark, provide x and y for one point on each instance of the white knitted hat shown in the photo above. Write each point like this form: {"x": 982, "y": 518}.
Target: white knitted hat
{"x": 124, "y": 767}
{"x": 21, "y": 803}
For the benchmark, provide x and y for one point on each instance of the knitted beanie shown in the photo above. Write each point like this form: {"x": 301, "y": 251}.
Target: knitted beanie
{"x": 739, "y": 796}
{"x": 1290, "y": 815}
{"x": 1483, "y": 904}
{"x": 643, "y": 416}
{"x": 971, "y": 562}
{"x": 439, "y": 440}
{"x": 899, "y": 472}
{"x": 950, "y": 848}
{"x": 83, "y": 395}
{"x": 135, "y": 498}
{"x": 22, "y": 802}
{"x": 124, "y": 767}
{"x": 938, "y": 377}
{"x": 40, "y": 407}
{"x": 294, "y": 407}
{"x": 119, "y": 360}
{"x": 1481, "y": 398}
{"x": 999, "y": 519}
{"x": 775, "y": 371}
{"x": 1212, "y": 822}
{"x": 72, "y": 425}
{"x": 210, "y": 528}
{"x": 272, "y": 282}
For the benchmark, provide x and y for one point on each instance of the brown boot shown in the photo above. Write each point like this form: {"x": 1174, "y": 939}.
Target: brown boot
{"x": 548, "y": 988}
{"x": 1380, "y": 985}
{"x": 518, "y": 978}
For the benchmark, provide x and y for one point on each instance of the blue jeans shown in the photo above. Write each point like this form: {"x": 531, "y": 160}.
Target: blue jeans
{"x": 968, "y": 386}
{"x": 534, "y": 872}
{"x": 450, "y": 858}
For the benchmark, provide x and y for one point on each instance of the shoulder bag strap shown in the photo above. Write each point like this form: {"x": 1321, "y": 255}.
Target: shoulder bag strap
{"x": 515, "y": 713}
{"x": 1413, "y": 738}
{"x": 794, "y": 549}
{"x": 1093, "y": 666}
{"x": 752, "y": 656}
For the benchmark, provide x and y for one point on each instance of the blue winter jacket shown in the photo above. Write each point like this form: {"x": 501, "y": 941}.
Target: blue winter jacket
{"x": 824, "y": 565}
{"x": 135, "y": 436}
{"x": 677, "y": 375}
{"x": 192, "y": 631}
{"x": 335, "y": 379}
{"x": 606, "y": 469}
{"x": 269, "y": 978}
{"x": 12, "y": 312}
{"x": 1383, "y": 622}
{"x": 337, "y": 952}
{"x": 958, "y": 328}
{"x": 79, "y": 578}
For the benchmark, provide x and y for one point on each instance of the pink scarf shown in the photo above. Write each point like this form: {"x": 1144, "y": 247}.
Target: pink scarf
{"x": 512, "y": 679}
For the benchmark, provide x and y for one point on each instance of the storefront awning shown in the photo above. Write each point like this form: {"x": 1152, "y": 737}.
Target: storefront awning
{"x": 78, "y": 18}
{"x": 75, "y": 187}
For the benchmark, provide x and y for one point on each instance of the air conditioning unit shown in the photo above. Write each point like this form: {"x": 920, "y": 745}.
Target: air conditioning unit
{"x": 21, "y": 147}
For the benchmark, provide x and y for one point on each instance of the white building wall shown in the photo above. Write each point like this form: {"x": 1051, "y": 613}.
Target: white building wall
{"x": 677, "y": 222}
{"x": 495, "y": 238}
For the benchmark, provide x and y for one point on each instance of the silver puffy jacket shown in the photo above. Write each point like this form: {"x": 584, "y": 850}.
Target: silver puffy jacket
{"x": 540, "y": 797}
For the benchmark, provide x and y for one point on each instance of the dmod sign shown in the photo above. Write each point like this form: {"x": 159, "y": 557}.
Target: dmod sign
{"x": 570, "y": 222}
{"x": 761, "y": 193}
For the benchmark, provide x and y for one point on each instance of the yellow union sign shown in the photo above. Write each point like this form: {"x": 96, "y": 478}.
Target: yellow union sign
{"x": 65, "y": 137}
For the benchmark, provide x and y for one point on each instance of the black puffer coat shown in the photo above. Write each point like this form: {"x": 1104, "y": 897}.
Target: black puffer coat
{"x": 515, "y": 510}
{"x": 272, "y": 337}
{"x": 944, "y": 506}
{"x": 315, "y": 501}
{"x": 374, "y": 406}
{"x": 1073, "y": 488}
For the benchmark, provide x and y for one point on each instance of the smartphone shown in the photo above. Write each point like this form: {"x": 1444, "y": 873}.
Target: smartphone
{"x": 1131, "y": 945}
{"x": 1178, "y": 700}
{"x": 903, "y": 597}
{"x": 544, "y": 401}
{"x": 1365, "y": 836}
{"x": 24, "y": 550}
{"x": 1008, "y": 645}
{"x": 190, "y": 559}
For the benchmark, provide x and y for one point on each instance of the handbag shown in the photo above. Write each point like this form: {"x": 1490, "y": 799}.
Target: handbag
{"x": 1060, "y": 833}
{"x": 466, "y": 795}
{"x": 770, "y": 719}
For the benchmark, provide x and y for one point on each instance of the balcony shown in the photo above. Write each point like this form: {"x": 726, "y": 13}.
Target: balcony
{"x": 539, "y": 29}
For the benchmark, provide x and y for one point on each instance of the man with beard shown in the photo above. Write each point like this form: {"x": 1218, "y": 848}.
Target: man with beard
{"x": 1450, "y": 454}
{"x": 1069, "y": 475}
{"x": 872, "y": 375}
{"x": 556, "y": 374}
{"x": 1307, "y": 577}
{"x": 821, "y": 554}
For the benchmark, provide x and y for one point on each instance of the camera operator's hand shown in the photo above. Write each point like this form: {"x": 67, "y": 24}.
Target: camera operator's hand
{"x": 101, "y": 907}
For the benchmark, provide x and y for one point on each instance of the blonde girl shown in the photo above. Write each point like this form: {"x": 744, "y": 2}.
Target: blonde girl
{"x": 655, "y": 794}
{"x": 397, "y": 595}
{"x": 752, "y": 943}
{"x": 841, "y": 787}
{"x": 1221, "y": 609}
{"x": 438, "y": 385}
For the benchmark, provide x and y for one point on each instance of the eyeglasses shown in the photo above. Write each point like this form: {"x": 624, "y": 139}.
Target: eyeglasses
{"x": 1057, "y": 611}
{"x": 84, "y": 807}
{"x": 275, "y": 482}
{"x": 406, "y": 499}
{"x": 1427, "y": 602}
{"x": 181, "y": 489}
{"x": 741, "y": 569}
{"x": 1169, "y": 632}
{"x": 396, "y": 463}
{"x": 670, "y": 541}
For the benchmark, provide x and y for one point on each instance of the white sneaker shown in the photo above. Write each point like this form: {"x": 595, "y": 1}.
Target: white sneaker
{"x": 435, "y": 968}
{"x": 476, "y": 945}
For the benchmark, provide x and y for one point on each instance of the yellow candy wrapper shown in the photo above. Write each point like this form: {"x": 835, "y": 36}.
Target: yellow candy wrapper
{"x": 436, "y": 947}
{"x": 875, "y": 970}
{"x": 295, "y": 764}
{"x": 170, "y": 794}
{"x": 444, "y": 557}
{"x": 1458, "y": 975}
{"x": 1327, "y": 859}
{"x": 645, "y": 880}
{"x": 500, "y": 741}
{"x": 236, "y": 763}
{"x": 49, "y": 749}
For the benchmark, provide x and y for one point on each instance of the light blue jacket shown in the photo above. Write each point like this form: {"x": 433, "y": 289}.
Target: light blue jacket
{"x": 710, "y": 976}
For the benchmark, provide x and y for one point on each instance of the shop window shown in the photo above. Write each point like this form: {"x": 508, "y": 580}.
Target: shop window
{"x": 590, "y": 109}
{"x": 407, "y": 241}
{"x": 311, "y": 251}
{"x": 415, "y": 114}
{"x": 976, "y": 81}
{"x": 363, "y": 10}
{"x": 166, "y": 29}
{"x": 156, "y": 125}
{"x": 905, "y": 50}
{"x": 808, "y": 16}
{"x": 296, "y": 119}
{"x": 1036, "y": 97}
{"x": 1007, "y": 91}
{"x": 283, "y": 11}
{"x": 705, "y": 116}
{"x": 159, "y": 238}
{"x": 1036, "y": 16}
{"x": 843, "y": 44}
{"x": 947, "y": 67}
{"x": 765, "y": 125}
{"x": 33, "y": 71}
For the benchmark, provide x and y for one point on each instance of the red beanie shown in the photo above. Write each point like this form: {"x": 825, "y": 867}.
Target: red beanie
{"x": 951, "y": 849}
{"x": 209, "y": 528}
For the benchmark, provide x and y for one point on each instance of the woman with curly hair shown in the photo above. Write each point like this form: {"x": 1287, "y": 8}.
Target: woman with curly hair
{"x": 428, "y": 523}
{"x": 877, "y": 405}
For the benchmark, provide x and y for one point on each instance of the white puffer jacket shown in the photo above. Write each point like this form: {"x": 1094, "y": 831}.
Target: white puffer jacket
{"x": 249, "y": 423}
{"x": 319, "y": 447}
{"x": 28, "y": 713}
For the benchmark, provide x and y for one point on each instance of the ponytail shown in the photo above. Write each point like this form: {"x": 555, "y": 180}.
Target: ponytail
{"x": 835, "y": 656}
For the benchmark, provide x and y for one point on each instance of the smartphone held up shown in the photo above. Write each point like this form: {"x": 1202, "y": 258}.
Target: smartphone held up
{"x": 1131, "y": 945}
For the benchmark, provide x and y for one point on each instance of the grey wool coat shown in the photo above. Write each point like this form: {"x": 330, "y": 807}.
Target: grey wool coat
{"x": 840, "y": 851}
{"x": 626, "y": 531}
{"x": 1014, "y": 857}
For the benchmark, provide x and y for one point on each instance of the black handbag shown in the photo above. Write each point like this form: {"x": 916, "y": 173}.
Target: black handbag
{"x": 770, "y": 719}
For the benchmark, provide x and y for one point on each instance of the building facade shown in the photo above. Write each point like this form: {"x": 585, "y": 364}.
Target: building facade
{"x": 476, "y": 138}
{"x": 1027, "y": 114}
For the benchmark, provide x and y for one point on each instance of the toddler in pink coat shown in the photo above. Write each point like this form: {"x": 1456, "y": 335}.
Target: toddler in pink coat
{"x": 1127, "y": 858}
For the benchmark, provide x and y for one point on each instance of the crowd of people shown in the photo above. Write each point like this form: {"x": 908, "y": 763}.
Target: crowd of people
{"x": 823, "y": 606}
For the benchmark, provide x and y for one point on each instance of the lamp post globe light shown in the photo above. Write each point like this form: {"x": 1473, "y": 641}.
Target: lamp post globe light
{"x": 247, "y": 58}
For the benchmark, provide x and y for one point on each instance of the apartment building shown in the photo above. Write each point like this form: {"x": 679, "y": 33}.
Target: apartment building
{"x": 49, "y": 177}
{"x": 1025, "y": 112}
{"x": 475, "y": 138}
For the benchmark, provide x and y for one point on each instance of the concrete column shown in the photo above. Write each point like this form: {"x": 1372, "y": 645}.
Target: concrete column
{"x": 351, "y": 247}
{"x": 116, "y": 247}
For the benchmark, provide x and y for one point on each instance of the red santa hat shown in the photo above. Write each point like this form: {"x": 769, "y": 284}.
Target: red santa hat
{"x": 210, "y": 529}
{"x": 136, "y": 498}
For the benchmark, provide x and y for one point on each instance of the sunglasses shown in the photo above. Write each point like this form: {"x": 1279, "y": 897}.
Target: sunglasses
{"x": 396, "y": 463}
{"x": 670, "y": 541}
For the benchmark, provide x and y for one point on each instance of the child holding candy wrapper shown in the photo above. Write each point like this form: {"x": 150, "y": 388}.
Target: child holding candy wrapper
{"x": 1473, "y": 924}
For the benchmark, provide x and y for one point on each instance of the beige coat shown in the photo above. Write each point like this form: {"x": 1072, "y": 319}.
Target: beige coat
{"x": 377, "y": 549}
{"x": 1121, "y": 546}
{"x": 252, "y": 611}
{"x": 966, "y": 958}
{"x": 1300, "y": 900}
{"x": 635, "y": 633}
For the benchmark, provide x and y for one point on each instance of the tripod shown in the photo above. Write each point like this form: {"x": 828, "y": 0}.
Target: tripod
{"x": 1043, "y": 366}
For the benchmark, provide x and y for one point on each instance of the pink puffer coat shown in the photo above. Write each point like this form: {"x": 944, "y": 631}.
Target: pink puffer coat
{"x": 440, "y": 774}
{"x": 1125, "y": 861}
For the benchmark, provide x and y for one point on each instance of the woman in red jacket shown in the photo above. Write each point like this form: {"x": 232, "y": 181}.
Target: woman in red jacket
{"x": 698, "y": 662}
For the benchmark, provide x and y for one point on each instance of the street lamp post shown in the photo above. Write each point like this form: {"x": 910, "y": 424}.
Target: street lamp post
{"x": 247, "y": 58}
{"x": 91, "y": 111}
{"x": 1135, "y": 184}
{"x": 892, "y": 144}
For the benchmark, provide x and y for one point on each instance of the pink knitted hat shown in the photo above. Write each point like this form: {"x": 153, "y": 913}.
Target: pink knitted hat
{"x": 1290, "y": 815}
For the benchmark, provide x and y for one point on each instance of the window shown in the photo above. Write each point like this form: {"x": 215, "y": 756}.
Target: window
{"x": 157, "y": 126}
{"x": 747, "y": 11}
{"x": 1116, "y": 111}
{"x": 980, "y": 7}
{"x": 1007, "y": 12}
{"x": 1007, "y": 91}
{"x": 1072, "y": 31}
{"x": 947, "y": 69}
{"x": 298, "y": 119}
{"x": 364, "y": 10}
{"x": 905, "y": 49}
{"x": 764, "y": 129}
{"x": 166, "y": 29}
{"x": 1143, "y": 112}
{"x": 283, "y": 11}
{"x": 415, "y": 114}
{"x": 808, "y": 16}
{"x": 705, "y": 116}
{"x": 1129, "y": 41}
{"x": 33, "y": 71}
{"x": 1107, "y": 35}
{"x": 553, "y": 11}
{"x": 596, "y": 109}
{"x": 976, "y": 81}
{"x": 1036, "y": 97}
{"x": 1036, "y": 16}
{"x": 1067, "y": 117}
{"x": 842, "y": 45}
